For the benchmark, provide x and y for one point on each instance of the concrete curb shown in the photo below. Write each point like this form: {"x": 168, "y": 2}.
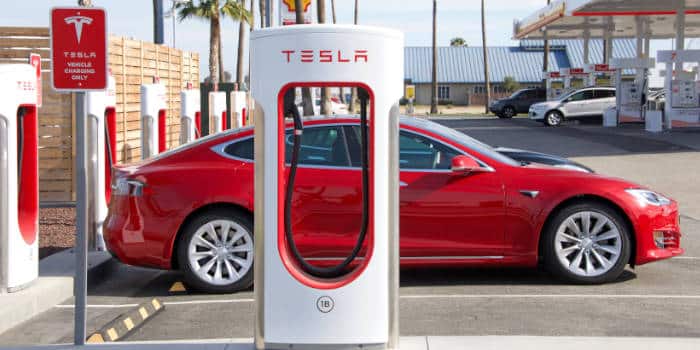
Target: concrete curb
{"x": 54, "y": 285}
{"x": 433, "y": 343}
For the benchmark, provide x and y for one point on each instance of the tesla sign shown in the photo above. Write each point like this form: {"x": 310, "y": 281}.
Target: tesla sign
{"x": 79, "y": 49}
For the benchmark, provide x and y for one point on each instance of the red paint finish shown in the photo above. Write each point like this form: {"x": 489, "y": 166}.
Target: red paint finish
{"x": 198, "y": 123}
{"x": 111, "y": 151}
{"x": 480, "y": 219}
{"x": 28, "y": 196}
{"x": 162, "y": 131}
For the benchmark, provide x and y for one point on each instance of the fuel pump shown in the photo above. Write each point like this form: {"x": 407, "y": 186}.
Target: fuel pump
{"x": 350, "y": 302}
{"x": 631, "y": 95}
{"x": 19, "y": 177}
{"x": 682, "y": 107}
{"x": 153, "y": 119}
{"x": 217, "y": 112}
{"x": 555, "y": 87}
{"x": 239, "y": 108}
{"x": 101, "y": 129}
{"x": 191, "y": 117}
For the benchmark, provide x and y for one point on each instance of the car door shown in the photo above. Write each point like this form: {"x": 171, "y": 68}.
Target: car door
{"x": 604, "y": 98}
{"x": 444, "y": 215}
{"x": 578, "y": 104}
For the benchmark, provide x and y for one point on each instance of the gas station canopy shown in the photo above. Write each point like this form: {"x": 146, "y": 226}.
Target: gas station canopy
{"x": 576, "y": 19}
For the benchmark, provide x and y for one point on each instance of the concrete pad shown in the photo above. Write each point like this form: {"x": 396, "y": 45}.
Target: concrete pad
{"x": 54, "y": 285}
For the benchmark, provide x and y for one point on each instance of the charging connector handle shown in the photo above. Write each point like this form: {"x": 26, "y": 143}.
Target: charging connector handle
{"x": 339, "y": 270}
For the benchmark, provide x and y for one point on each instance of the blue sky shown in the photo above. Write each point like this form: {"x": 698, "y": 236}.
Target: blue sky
{"x": 132, "y": 18}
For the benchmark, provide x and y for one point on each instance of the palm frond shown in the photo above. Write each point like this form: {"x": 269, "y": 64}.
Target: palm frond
{"x": 236, "y": 10}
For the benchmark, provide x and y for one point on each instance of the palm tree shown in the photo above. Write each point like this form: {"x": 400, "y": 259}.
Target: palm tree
{"x": 213, "y": 11}
{"x": 262, "y": 9}
{"x": 486, "y": 56}
{"x": 457, "y": 42}
{"x": 335, "y": 20}
{"x": 353, "y": 95}
{"x": 434, "y": 87}
{"x": 325, "y": 91}
{"x": 307, "y": 102}
{"x": 246, "y": 17}
{"x": 545, "y": 59}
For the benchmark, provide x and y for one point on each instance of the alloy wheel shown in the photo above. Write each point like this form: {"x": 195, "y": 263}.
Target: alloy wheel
{"x": 221, "y": 252}
{"x": 554, "y": 118}
{"x": 588, "y": 243}
{"x": 509, "y": 112}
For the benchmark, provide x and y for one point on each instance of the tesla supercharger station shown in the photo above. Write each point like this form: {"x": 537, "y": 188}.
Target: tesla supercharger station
{"x": 102, "y": 155}
{"x": 191, "y": 116}
{"x": 239, "y": 108}
{"x": 19, "y": 177}
{"x": 682, "y": 87}
{"x": 217, "y": 112}
{"x": 631, "y": 95}
{"x": 555, "y": 87}
{"x": 343, "y": 306}
{"x": 153, "y": 119}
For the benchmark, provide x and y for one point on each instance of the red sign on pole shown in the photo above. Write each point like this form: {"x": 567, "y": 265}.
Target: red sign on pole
{"x": 35, "y": 61}
{"x": 79, "y": 49}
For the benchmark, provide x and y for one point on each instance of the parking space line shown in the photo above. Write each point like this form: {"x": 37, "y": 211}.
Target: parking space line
{"x": 686, "y": 258}
{"x": 425, "y": 296}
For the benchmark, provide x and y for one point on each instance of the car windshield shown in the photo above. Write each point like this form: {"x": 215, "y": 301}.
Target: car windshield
{"x": 516, "y": 94}
{"x": 461, "y": 138}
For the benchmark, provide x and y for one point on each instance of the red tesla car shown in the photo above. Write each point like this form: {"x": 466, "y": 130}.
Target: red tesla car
{"x": 192, "y": 208}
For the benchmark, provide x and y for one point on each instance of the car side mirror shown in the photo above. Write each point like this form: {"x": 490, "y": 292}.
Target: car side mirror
{"x": 463, "y": 165}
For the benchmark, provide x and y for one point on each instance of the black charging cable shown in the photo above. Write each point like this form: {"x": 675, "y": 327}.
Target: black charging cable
{"x": 339, "y": 270}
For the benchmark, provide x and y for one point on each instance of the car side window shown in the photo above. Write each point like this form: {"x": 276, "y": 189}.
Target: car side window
{"x": 243, "y": 149}
{"x": 324, "y": 146}
{"x": 581, "y": 96}
{"x": 604, "y": 93}
{"x": 420, "y": 153}
{"x": 319, "y": 146}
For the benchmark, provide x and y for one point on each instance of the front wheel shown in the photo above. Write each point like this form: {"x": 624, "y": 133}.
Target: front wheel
{"x": 216, "y": 252}
{"x": 587, "y": 243}
{"x": 554, "y": 118}
{"x": 508, "y": 112}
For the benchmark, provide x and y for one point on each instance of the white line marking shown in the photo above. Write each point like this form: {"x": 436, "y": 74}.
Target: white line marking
{"x": 686, "y": 258}
{"x": 422, "y": 296}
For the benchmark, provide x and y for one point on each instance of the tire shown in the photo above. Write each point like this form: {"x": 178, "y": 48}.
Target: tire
{"x": 553, "y": 118}
{"x": 232, "y": 255}
{"x": 508, "y": 113}
{"x": 586, "y": 258}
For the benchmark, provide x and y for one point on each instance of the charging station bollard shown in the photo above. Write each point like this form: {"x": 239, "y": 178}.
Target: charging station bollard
{"x": 19, "y": 177}
{"x": 217, "y": 112}
{"x": 239, "y": 108}
{"x": 153, "y": 119}
{"x": 101, "y": 131}
{"x": 353, "y": 304}
{"x": 191, "y": 117}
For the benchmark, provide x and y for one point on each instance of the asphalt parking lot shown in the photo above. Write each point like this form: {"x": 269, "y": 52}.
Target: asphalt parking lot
{"x": 656, "y": 300}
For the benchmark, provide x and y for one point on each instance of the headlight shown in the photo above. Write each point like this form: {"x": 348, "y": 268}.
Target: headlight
{"x": 126, "y": 187}
{"x": 648, "y": 197}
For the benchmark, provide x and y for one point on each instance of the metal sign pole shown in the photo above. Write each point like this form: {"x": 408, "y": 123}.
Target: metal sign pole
{"x": 81, "y": 240}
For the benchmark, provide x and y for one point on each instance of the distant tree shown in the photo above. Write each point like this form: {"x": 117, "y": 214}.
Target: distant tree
{"x": 457, "y": 42}
{"x": 510, "y": 84}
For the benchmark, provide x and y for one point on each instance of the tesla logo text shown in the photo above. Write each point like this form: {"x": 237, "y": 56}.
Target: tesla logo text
{"x": 326, "y": 56}
{"x": 77, "y": 22}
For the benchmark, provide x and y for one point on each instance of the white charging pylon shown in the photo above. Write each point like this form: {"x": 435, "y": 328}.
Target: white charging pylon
{"x": 298, "y": 307}
{"x": 101, "y": 110}
{"x": 190, "y": 115}
{"x": 153, "y": 119}
{"x": 239, "y": 109}
{"x": 217, "y": 112}
{"x": 19, "y": 177}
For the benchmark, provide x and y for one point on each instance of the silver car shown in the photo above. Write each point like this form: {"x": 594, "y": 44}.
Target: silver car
{"x": 583, "y": 103}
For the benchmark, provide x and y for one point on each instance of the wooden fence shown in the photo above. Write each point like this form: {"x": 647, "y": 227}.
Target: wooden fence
{"x": 132, "y": 63}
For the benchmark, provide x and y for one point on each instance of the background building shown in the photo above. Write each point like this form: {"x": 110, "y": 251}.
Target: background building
{"x": 461, "y": 71}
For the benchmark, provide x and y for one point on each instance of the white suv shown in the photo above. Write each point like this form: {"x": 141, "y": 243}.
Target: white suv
{"x": 583, "y": 103}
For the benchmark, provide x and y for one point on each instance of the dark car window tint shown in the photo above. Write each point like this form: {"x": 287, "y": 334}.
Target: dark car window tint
{"x": 241, "y": 149}
{"x": 581, "y": 96}
{"x": 319, "y": 146}
{"x": 604, "y": 93}
{"x": 323, "y": 146}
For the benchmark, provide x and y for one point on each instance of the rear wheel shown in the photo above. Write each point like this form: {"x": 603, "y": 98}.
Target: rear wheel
{"x": 508, "y": 112}
{"x": 554, "y": 118}
{"x": 587, "y": 243}
{"x": 216, "y": 252}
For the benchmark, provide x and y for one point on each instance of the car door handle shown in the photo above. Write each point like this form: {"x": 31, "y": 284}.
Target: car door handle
{"x": 402, "y": 184}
